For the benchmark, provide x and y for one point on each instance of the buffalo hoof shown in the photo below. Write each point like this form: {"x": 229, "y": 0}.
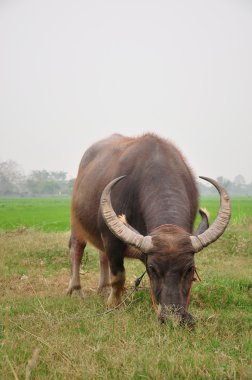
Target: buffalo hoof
{"x": 75, "y": 291}
{"x": 103, "y": 291}
{"x": 113, "y": 302}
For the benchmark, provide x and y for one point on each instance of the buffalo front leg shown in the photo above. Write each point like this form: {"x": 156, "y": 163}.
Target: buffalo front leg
{"x": 117, "y": 281}
{"x": 76, "y": 253}
{"x": 114, "y": 249}
{"x": 104, "y": 272}
{"x": 117, "y": 288}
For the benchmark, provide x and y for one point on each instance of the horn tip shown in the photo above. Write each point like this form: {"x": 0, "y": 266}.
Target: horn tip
{"x": 205, "y": 211}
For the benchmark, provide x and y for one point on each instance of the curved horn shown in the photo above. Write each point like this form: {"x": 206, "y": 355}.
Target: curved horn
{"x": 220, "y": 223}
{"x": 117, "y": 227}
{"x": 204, "y": 224}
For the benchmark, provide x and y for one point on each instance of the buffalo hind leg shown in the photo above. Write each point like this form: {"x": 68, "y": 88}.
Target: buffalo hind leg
{"x": 104, "y": 273}
{"x": 76, "y": 253}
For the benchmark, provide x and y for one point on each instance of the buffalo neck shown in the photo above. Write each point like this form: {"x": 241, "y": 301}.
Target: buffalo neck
{"x": 172, "y": 201}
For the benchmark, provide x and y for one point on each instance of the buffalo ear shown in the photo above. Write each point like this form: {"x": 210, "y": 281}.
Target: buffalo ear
{"x": 204, "y": 224}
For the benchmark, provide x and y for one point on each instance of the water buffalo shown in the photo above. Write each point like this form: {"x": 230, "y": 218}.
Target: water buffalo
{"x": 150, "y": 184}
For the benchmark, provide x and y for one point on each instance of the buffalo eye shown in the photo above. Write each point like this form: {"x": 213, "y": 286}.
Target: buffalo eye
{"x": 152, "y": 270}
{"x": 189, "y": 274}
{"x": 190, "y": 271}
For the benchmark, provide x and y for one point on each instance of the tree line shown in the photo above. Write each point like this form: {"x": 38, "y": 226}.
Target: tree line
{"x": 237, "y": 187}
{"x": 14, "y": 183}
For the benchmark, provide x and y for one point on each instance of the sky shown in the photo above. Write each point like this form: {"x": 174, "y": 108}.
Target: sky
{"x": 73, "y": 72}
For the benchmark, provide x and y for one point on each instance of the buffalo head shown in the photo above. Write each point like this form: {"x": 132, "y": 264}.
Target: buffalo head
{"x": 169, "y": 252}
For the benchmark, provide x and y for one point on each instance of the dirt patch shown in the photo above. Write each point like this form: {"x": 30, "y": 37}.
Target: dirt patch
{"x": 42, "y": 286}
{"x": 25, "y": 286}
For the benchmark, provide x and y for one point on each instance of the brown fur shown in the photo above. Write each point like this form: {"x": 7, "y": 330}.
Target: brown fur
{"x": 158, "y": 197}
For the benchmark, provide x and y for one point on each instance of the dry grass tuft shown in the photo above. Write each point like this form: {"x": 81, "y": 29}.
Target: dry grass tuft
{"x": 32, "y": 363}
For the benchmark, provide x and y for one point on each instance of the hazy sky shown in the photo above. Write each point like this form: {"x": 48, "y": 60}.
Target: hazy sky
{"x": 73, "y": 72}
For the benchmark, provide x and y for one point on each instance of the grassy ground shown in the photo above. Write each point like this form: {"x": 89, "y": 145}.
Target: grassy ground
{"x": 46, "y": 214}
{"x": 241, "y": 208}
{"x": 46, "y": 335}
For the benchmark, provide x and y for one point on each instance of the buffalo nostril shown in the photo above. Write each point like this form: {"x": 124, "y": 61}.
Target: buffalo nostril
{"x": 162, "y": 320}
{"x": 168, "y": 314}
{"x": 176, "y": 314}
{"x": 187, "y": 320}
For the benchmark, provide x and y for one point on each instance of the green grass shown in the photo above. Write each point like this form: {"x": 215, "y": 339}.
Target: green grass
{"x": 53, "y": 214}
{"x": 241, "y": 208}
{"x": 56, "y": 337}
{"x": 46, "y": 214}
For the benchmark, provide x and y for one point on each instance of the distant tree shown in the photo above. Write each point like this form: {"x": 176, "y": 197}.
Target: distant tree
{"x": 11, "y": 178}
{"x": 55, "y": 183}
{"x": 237, "y": 188}
{"x": 39, "y": 182}
{"x": 70, "y": 186}
{"x": 249, "y": 189}
{"x": 225, "y": 182}
{"x": 239, "y": 180}
{"x": 58, "y": 176}
{"x": 42, "y": 182}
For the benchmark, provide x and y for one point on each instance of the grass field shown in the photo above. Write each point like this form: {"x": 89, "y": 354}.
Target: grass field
{"x": 46, "y": 214}
{"x": 46, "y": 335}
{"x": 53, "y": 214}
